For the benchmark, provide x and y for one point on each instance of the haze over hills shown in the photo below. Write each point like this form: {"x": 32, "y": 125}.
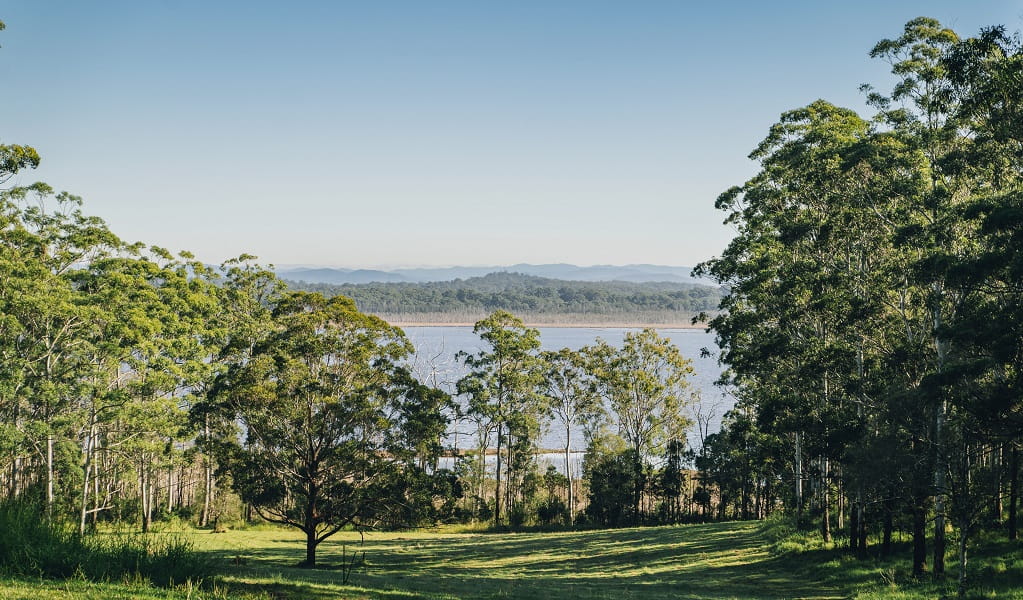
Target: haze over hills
{"x": 640, "y": 273}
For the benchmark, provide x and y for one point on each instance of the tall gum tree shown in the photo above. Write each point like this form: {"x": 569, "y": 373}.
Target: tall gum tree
{"x": 644, "y": 385}
{"x": 921, "y": 107}
{"x": 570, "y": 389}
{"x": 502, "y": 388}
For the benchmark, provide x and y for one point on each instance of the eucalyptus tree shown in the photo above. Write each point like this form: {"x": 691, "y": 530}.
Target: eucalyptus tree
{"x": 645, "y": 387}
{"x": 172, "y": 363}
{"x": 790, "y": 328}
{"x": 317, "y": 399}
{"x": 867, "y": 257}
{"x": 49, "y": 237}
{"x": 984, "y": 376}
{"x": 921, "y": 108}
{"x": 150, "y": 314}
{"x": 502, "y": 385}
{"x": 246, "y": 293}
{"x": 570, "y": 390}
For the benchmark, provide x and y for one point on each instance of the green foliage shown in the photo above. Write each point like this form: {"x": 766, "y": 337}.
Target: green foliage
{"x": 613, "y": 471}
{"x": 872, "y": 323}
{"x": 329, "y": 419}
{"x": 502, "y": 387}
{"x": 518, "y": 293}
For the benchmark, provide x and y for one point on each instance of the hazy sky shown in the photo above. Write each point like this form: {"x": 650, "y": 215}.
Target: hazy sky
{"x": 433, "y": 132}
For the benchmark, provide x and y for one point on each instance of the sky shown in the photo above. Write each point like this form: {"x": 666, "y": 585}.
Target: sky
{"x": 386, "y": 134}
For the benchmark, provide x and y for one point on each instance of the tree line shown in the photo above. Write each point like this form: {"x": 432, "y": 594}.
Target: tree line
{"x": 518, "y": 293}
{"x": 138, "y": 385}
{"x": 872, "y": 325}
{"x": 631, "y": 404}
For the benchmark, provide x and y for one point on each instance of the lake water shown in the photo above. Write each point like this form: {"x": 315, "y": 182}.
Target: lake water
{"x": 435, "y": 362}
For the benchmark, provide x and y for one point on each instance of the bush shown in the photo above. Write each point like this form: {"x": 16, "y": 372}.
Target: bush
{"x": 552, "y": 512}
{"x": 33, "y": 546}
{"x": 518, "y": 515}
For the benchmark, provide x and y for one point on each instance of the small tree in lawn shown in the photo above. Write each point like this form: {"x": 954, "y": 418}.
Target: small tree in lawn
{"x": 317, "y": 401}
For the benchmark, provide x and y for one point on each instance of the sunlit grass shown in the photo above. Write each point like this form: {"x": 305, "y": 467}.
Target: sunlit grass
{"x": 714, "y": 561}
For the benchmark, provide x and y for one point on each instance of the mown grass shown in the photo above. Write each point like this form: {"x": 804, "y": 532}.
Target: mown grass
{"x": 714, "y": 561}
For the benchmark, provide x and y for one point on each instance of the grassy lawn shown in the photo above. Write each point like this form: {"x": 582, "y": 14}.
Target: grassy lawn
{"x": 714, "y": 561}
{"x": 705, "y": 561}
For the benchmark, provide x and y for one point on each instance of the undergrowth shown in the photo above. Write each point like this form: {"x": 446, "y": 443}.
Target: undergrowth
{"x": 995, "y": 569}
{"x": 32, "y": 546}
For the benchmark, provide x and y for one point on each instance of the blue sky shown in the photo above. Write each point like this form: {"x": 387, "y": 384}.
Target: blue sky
{"x": 382, "y": 134}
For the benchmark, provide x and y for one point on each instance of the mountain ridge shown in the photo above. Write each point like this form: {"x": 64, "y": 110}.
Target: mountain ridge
{"x": 633, "y": 273}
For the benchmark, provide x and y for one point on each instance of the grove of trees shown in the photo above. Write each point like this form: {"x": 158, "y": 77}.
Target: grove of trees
{"x": 872, "y": 329}
{"x": 137, "y": 385}
{"x": 872, "y": 325}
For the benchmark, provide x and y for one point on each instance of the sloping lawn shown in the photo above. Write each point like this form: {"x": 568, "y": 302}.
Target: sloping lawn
{"x": 713, "y": 561}
{"x": 721, "y": 560}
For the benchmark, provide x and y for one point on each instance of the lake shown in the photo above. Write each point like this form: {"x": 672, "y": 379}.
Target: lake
{"x": 435, "y": 362}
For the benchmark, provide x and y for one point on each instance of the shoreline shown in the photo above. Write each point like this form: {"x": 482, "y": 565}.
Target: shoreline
{"x": 538, "y": 324}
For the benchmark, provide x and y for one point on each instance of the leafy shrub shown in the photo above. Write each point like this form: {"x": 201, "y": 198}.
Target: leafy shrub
{"x": 552, "y": 511}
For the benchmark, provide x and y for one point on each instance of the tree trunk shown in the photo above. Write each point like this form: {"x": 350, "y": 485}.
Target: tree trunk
{"x": 310, "y": 524}
{"x": 568, "y": 473}
{"x": 940, "y": 465}
{"x": 170, "y": 489}
{"x": 840, "y": 497}
{"x": 510, "y": 474}
{"x": 825, "y": 503}
{"x": 95, "y": 490}
{"x": 939, "y": 503}
{"x": 88, "y": 448}
{"x": 919, "y": 537}
{"x": 799, "y": 478}
{"x": 310, "y": 549}
{"x": 862, "y": 547}
{"x": 962, "y": 561}
{"x": 49, "y": 476}
{"x": 996, "y": 483}
{"x": 854, "y": 529}
{"x": 143, "y": 499}
{"x": 886, "y": 543}
{"x": 497, "y": 490}
{"x": 1013, "y": 489}
{"x": 638, "y": 487}
{"x": 204, "y": 515}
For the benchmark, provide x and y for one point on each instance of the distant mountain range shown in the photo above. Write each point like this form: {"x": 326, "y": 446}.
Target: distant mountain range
{"x": 630, "y": 273}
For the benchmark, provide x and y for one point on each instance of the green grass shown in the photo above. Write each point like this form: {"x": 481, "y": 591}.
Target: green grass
{"x": 714, "y": 561}
{"x": 31, "y": 546}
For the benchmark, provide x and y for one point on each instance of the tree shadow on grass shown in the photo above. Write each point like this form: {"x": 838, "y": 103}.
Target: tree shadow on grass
{"x": 703, "y": 561}
{"x": 717, "y": 561}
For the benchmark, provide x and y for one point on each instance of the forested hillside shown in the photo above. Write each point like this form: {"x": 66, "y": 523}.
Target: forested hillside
{"x": 523, "y": 294}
